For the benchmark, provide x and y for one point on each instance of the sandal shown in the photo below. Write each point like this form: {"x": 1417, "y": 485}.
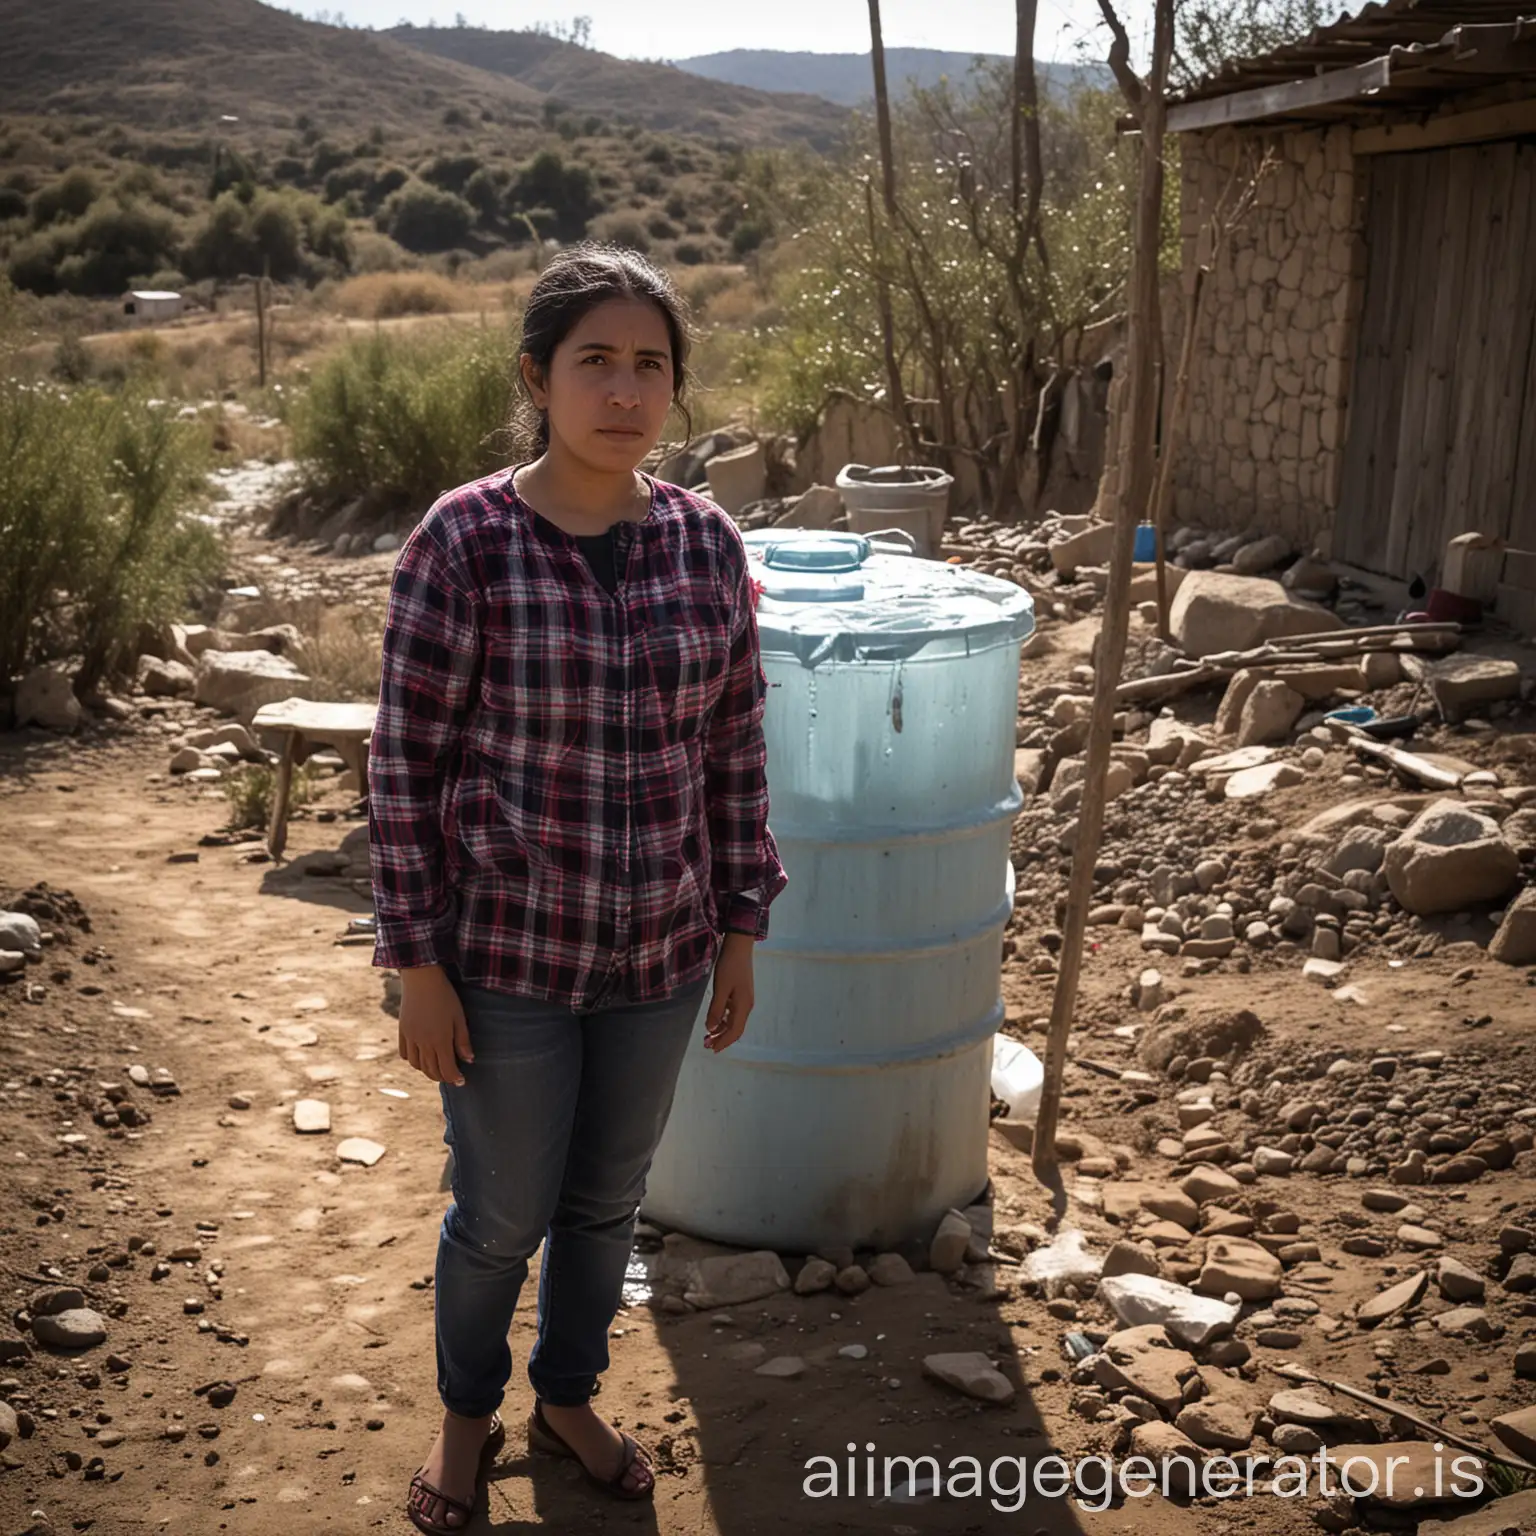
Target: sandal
{"x": 542, "y": 1437}
{"x": 423, "y": 1494}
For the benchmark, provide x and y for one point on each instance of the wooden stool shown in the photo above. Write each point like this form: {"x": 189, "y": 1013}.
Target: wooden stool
{"x": 305, "y": 724}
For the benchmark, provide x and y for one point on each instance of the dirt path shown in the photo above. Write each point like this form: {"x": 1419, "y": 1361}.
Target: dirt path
{"x": 307, "y": 1290}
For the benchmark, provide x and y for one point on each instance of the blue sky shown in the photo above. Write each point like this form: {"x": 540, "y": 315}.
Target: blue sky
{"x": 676, "y": 29}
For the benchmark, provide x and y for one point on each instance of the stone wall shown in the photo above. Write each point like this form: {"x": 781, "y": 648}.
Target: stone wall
{"x": 1271, "y": 371}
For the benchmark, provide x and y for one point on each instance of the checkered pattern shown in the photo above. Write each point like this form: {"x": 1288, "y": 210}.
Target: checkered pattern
{"x": 567, "y": 791}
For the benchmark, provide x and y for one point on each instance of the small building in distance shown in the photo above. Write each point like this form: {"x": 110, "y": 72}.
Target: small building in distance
{"x": 152, "y": 306}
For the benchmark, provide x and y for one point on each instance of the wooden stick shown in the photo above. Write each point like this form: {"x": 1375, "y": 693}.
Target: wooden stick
{"x": 1406, "y": 763}
{"x": 1386, "y": 1405}
{"x": 1169, "y": 685}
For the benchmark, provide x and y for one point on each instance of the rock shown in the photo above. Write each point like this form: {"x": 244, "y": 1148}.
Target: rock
{"x": 1270, "y": 714}
{"x": 1090, "y": 547}
{"x": 946, "y": 1253}
{"x": 1460, "y": 683}
{"x": 1403, "y": 1474}
{"x": 1177, "y": 1457}
{"x": 854, "y": 1352}
{"x": 1261, "y": 555}
{"x": 1450, "y": 857}
{"x": 1215, "y": 612}
{"x": 76, "y": 1328}
{"x": 1324, "y": 972}
{"x": 165, "y": 679}
{"x": 240, "y": 682}
{"x": 1239, "y": 1267}
{"x": 890, "y": 1269}
{"x": 1457, "y": 1282}
{"x": 1205, "y": 1183}
{"x": 851, "y": 1280}
{"x": 56, "y": 1299}
{"x": 1511, "y": 1516}
{"x": 1128, "y": 1258}
{"x": 1525, "y": 1363}
{"x": 1515, "y": 942}
{"x": 1518, "y": 1431}
{"x": 1359, "y": 848}
{"x": 1458, "y": 1170}
{"x": 20, "y": 934}
{"x": 782, "y": 1367}
{"x": 728, "y": 1280}
{"x": 359, "y": 1149}
{"x": 972, "y": 1373}
{"x": 1271, "y": 1160}
{"x": 1396, "y": 1298}
{"x": 46, "y": 697}
{"x": 1174, "y": 1205}
{"x": 1472, "y": 1321}
{"x": 1386, "y": 1200}
{"x": 1251, "y": 783}
{"x": 311, "y": 1117}
{"x": 1205, "y": 1031}
{"x": 9, "y": 1427}
{"x": 1138, "y": 1300}
{"x": 1418, "y": 1239}
{"x": 1142, "y": 1360}
{"x": 1312, "y": 577}
{"x": 1521, "y": 1278}
{"x": 1296, "y": 1439}
{"x": 737, "y": 478}
{"x": 816, "y": 1275}
{"x": 1218, "y": 1423}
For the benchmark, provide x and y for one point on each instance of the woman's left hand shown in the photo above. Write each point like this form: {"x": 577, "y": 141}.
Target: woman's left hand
{"x": 732, "y": 1000}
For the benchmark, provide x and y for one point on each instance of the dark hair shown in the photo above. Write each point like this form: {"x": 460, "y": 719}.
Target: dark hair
{"x": 576, "y": 281}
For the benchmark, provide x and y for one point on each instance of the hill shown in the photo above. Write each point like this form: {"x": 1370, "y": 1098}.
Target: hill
{"x": 167, "y": 64}
{"x": 657, "y": 96}
{"x": 845, "y": 78}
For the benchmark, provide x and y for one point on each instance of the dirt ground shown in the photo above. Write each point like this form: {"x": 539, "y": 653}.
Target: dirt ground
{"x": 306, "y": 1281}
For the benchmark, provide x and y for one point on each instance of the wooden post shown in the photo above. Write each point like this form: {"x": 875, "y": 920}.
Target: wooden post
{"x": 277, "y": 833}
{"x": 261, "y": 332}
{"x": 1138, "y": 444}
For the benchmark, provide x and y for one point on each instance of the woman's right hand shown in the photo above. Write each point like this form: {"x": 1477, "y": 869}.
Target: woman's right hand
{"x": 434, "y": 1036}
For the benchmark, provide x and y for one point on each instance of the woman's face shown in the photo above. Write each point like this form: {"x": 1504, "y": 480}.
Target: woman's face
{"x": 609, "y": 385}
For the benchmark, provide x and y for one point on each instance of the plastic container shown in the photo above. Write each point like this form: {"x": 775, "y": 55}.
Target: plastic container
{"x": 855, "y": 1109}
{"x": 1018, "y": 1077}
{"x": 1352, "y": 714}
{"x": 914, "y": 498}
{"x": 1146, "y": 543}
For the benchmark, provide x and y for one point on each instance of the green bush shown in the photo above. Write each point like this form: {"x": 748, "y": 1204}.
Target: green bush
{"x": 403, "y": 418}
{"x": 96, "y": 492}
{"x": 111, "y": 246}
{"x": 483, "y": 193}
{"x": 451, "y": 172}
{"x": 289, "y": 235}
{"x": 67, "y": 198}
{"x": 13, "y": 204}
{"x": 425, "y": 218}
{"x": 566, "y": 189}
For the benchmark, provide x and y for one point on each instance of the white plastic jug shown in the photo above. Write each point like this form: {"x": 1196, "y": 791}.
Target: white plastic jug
{"x": 1017, "y": 1077}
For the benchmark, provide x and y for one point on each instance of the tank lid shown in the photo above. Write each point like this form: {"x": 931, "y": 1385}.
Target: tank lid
{"x": 836, "y": 596}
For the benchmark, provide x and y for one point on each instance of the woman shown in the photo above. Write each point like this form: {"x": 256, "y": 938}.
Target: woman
{"x": 568, "y": 824}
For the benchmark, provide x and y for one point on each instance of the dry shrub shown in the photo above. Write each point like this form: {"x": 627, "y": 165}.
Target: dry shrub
{"x": 384, "y": 295}
{"x": 342, "y": 645}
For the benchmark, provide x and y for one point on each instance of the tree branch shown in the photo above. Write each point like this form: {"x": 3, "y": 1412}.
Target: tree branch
{"x": 1120, "y": 60}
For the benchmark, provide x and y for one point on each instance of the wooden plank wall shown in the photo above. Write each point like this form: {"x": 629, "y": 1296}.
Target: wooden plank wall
{"x": 1442, "y": 432}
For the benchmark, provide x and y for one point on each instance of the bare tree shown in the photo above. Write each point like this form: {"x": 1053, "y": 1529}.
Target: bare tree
{"x": 900, "y": 406}
{"x": 1148, "y": 102}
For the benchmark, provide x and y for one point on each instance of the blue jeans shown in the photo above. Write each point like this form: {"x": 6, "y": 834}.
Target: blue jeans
{"x": 552, "y": 1135}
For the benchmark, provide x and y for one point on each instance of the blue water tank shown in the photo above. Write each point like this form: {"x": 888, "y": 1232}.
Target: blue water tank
{"x": 855, "y": 1109}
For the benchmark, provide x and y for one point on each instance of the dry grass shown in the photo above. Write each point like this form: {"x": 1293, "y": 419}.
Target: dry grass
{"x": 342, "y": 646}
{"x": 389, "y": 295}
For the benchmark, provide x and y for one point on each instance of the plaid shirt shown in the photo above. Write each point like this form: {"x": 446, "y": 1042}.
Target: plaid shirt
{"x": 567, "y": 792}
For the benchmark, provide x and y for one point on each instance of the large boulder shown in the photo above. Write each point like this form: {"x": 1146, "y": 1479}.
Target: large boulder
{"x": 240, "y": 682}
{"x": 46, "y": 697}
{"x": 1219, "y": 612}
{"x": 1090, "y": 547}
{"x": 1450, "y": 857}
{"x": 1270, "y": 714}
{"x": 738, "y": 478}
{"x": 1461, "y": 683}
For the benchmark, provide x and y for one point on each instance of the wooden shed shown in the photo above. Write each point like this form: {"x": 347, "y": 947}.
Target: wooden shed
{"x": 1365, "y": 374}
